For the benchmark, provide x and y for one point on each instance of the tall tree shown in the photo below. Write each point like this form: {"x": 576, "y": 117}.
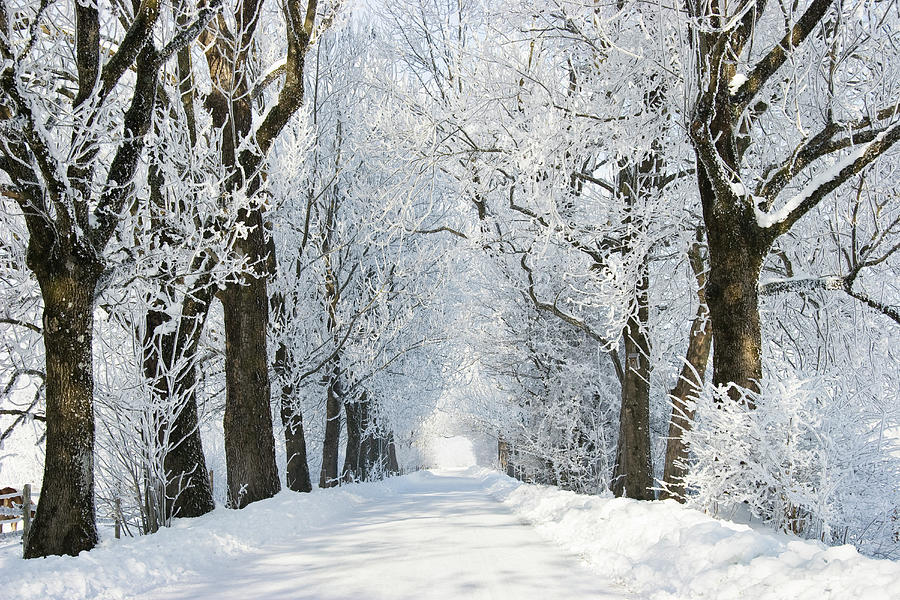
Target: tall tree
{"x": 71, "y": 199}
{"x": 170, "y": 345}
{"x": 755, "y": 186}
{"x": 231, "y": 59}
{"x": 689, "y": 383}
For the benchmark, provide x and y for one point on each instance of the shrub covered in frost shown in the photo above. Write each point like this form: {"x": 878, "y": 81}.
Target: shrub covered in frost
{"x": 800, "y": 457}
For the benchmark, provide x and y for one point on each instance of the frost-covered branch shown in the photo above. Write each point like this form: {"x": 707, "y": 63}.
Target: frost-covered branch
{"x": 569, "y": 319}
{"x": 824, "y": 183}
{"x": 779, "y": 54}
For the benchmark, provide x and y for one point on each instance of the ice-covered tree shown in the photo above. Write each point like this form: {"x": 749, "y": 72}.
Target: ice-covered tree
{"x": 75, "y": 119}
{"x": 785, "y": 112}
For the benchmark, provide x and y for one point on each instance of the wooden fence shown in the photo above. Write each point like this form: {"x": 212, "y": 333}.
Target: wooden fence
{"x": 13, "y": 510}
{"x": 17, "y": 507}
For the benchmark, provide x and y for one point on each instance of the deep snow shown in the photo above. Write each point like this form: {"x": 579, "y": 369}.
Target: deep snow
{"x": 453, "y": 534}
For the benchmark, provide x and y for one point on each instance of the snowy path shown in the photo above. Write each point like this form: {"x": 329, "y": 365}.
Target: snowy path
{"x": 447, "y": 535}
{"x": 444, "y": 537}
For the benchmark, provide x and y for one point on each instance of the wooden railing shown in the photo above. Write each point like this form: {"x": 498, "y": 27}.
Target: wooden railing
{"x": 15, "y": 507}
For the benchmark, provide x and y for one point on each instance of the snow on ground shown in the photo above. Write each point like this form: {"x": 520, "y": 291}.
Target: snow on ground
{"x": 664, "y": 551}
{"x": 422, "y": 536}
{"x": 453, "y": 534}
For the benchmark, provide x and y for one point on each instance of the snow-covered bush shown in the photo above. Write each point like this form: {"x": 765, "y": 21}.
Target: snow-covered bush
{"x": 799, "y": 456}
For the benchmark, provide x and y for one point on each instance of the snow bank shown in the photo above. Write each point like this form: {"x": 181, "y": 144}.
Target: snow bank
{"x": 664, "y": 551}
{"x": 123, "y": 569}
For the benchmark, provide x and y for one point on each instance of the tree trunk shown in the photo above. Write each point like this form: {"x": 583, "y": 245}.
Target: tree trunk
{"x": 370, "y": 455}
{"x": 187, "y": 487}
{"x": 249, "y": 439}
{"x": 393, "y": 463}
{"x": 328, "y": 476}
{"x": 298, "y": 478}
{"x": 169, "y": 364}
{"x": 690, "y": 379}
{"x": 634, "y": 471}
{"x": 297, "y": 467}
{"x": 356, "y": 427}
{"x": 65, "y": 522}
{"x": 503, "y": 454}
{"x": 737, "y": 247}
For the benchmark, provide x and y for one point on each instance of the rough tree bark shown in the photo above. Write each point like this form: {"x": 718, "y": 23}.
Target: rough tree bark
{"x": 295, "y": 445}
{"x": 70, "y": 225}
{"x": 503, "y": 455}
{"x": 328, "y": 475}
{"x": 737, "y": 248}
{"x": 633, "y": 475}
{"x": 393, "y": 465}
{"x": 690, "y": 379}
{"x": 65, "y": 522}
{"x": 297, "y": 465}
{"x": 249, "y": 439}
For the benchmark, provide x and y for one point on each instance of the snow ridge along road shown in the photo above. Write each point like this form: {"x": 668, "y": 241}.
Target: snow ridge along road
{"x": 429, "y": 535}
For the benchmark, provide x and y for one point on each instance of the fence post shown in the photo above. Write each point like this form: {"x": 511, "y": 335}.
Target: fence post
{"x": 26, "y": 510}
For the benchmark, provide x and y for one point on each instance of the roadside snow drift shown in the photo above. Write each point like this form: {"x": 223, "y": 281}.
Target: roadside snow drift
{"x": 664, "y": 551}
{"x": 453, "y": 534}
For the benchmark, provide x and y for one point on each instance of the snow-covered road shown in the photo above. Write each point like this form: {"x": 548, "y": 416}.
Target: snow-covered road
{"x": 443, "y": 537}
{"x": 453, "y": 535}
{"x": 428, "y": 535}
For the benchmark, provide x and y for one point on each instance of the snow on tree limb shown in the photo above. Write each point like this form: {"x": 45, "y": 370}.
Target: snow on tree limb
{"x": 826, "y": 182}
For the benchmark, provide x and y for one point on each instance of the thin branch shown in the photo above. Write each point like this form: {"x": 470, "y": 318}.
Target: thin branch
{"x": 801, "y": 284}
{"x": 440, "y": 229}
{"x": 270, "y": 78}
{"x": 830, "y": 283}
{"x": 602, "y": 183}
{"x": 136, "y": 38}
{"x": 777, "y": 56}
{"x": 818, "y": 189}
{"x": 23, "y": 413}
{"x": 567, "y": 318}
{"x": 20, "y": 323}
{"x": 192, "y": 31}
{"x": 888, "y": 310}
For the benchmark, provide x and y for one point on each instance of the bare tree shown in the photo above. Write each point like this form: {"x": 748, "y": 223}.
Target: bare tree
{"x": 234, "y": 104}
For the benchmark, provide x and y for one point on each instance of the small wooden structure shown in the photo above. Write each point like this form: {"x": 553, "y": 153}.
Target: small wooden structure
{"x": 12, "y": 507}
